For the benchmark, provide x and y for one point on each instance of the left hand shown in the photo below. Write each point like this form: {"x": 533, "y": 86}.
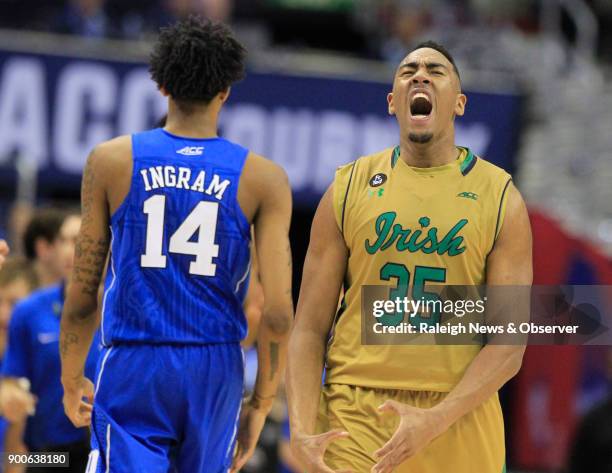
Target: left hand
{"x": 252, "y": 420}
{"x": 417, "y": 428}
{"x": 78, "y": 410}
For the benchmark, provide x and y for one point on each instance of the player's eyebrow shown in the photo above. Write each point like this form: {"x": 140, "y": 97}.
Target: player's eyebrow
{"x": 428, "y": 65}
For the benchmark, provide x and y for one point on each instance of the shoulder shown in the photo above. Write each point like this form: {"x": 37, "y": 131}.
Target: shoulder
{"x": 484, "y": 169}
{"x": 363, "y": 169}
{"x": 355, "y": 175}
{"x": 381, "y": 160}
{"x": 113, "y": 150}
{"x": 263, "y": 171}
{"x": 111, "y": 158}
{"x": 119, "y": 144}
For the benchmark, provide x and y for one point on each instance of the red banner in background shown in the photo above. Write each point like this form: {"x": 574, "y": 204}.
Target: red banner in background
{"x": 548, "y": 388}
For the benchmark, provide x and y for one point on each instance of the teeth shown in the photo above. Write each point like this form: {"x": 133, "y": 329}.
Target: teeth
{"x": 420, "y": 95}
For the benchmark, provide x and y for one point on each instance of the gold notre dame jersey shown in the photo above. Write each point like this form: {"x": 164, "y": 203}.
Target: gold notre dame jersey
{"x": 415, "y": 225}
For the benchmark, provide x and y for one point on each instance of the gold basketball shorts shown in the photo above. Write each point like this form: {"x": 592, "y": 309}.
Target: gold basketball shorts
{"x": 474, "y": 444}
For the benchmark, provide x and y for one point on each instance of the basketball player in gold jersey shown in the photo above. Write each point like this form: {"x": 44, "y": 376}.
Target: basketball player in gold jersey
{"x": 426, "y": 211}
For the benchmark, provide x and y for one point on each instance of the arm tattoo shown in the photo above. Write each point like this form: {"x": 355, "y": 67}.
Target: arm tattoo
{"x": 90, "y": 253}
{"x": 89, "y": 263}
{"x": 273, "y": 359}
{"x": 68, "y": 339}
{"x": 87, "y": 191}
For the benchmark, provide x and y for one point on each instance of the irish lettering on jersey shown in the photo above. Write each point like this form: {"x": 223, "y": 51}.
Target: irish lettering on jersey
{"x": 425, "y": 239}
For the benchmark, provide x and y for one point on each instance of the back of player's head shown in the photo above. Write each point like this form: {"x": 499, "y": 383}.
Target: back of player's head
{"x": 45, "y": 224}
{"x": 15, "y": 269}
{"x": 196, "y": 59}
{"x": 441, "y": 49}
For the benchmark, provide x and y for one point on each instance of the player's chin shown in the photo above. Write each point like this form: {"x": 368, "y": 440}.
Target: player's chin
{"x": 420, "y": 136}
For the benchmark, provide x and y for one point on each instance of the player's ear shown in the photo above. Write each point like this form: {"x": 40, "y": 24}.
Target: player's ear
{"x": 390, "y": 103}
{"x": 460, "y": 104}
{"x": 164, "y": 92}
{"x": 224, "y": 95}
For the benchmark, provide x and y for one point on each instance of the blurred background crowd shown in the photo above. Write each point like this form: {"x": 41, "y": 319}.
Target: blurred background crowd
{"x": 372, "y": 28}
{"x": 537, "y": 75}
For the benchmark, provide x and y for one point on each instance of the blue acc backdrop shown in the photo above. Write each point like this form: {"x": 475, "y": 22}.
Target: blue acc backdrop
{"x": 54, "y": 109}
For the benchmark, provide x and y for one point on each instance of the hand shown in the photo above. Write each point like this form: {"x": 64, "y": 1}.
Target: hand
{"x": 16, "y": 402}
{"x": 417, "y": 428}
{"x": 310, "y": 449}
{"x": 252, "y": 420}
{"x": 4, "y": 251}
{"x": 76, "y": 409}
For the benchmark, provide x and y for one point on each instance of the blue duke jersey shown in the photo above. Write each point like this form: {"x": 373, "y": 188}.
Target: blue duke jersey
{"x": 180, "y": 259}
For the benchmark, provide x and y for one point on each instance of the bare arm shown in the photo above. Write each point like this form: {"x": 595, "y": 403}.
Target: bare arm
{"x": 16, "y": 401}
{"x": 13, "y": 443}
{"x": 275, "y": 273}
{"x": 271, "y": 221}
{"x": 79, "y": 320}
{"x": 509, "y": 264}
{"x": 324, "y": 271}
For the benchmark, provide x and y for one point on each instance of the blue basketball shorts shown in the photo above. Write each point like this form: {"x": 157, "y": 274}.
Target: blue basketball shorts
{"x": 166, "y": 408}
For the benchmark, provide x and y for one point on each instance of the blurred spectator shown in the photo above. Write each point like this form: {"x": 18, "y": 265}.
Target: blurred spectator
{"x": 40, "y": 244}
{"x": 171, "y": 11}
{"x": 407, "y": 20}
{"x": 83, "y": 18}
{"x": 19, "y": 216}
{"x": 33, "y": 354}
{"x": 17, "y": 280}
{"x": 501, "y": 11}
{"x": 4, "y": 250}
{"x": 394, "y": 26}
{"x": 592, "y": 449}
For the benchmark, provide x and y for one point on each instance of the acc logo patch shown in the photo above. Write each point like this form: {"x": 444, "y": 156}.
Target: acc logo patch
{"x": 378, "y": 179}
{"x": 191, "y": 150}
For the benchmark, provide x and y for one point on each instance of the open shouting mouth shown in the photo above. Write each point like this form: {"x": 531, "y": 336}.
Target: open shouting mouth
{"x": 421, "y": 106}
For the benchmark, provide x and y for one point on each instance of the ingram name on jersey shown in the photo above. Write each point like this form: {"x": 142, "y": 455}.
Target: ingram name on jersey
{"x": 180, "y": 257}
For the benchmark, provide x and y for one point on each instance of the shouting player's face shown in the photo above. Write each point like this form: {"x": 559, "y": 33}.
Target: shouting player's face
{"x": 426, "y": 96}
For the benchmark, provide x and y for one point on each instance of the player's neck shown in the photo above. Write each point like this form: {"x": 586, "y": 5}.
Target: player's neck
{"x": 425, "y": 155}
{"x": 200, "y": 123}
{"x": 46, "y": 277}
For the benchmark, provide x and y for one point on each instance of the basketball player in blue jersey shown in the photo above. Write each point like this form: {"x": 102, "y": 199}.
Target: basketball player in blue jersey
{"x": 171, "y": 209}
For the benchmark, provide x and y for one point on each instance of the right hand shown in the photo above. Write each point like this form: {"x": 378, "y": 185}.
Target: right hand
{"x": 16, "y": 403}
{"x": 310, "y": 449}
{"x": 76, "y": 409}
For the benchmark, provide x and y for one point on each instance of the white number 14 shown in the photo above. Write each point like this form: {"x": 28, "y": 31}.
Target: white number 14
{"x": 203, "y": 219}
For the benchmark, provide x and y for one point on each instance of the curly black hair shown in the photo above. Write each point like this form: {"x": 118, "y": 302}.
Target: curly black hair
{"x": 195, "y": 59}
